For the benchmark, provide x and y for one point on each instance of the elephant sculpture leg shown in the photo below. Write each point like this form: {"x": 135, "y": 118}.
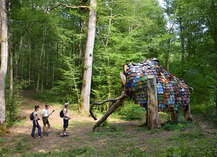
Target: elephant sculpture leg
{"x": 174, "y": 115}
{"x": 187, "y": 113}
{"x": 114, "y": 105}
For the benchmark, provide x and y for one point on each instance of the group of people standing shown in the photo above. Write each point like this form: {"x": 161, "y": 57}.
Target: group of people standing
{"x": 46, "y": 124}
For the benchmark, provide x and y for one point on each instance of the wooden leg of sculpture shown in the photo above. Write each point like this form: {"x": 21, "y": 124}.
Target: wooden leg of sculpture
{"x": 173, "y": 116}
{"x": 152, "y": 108}
{"x": 115, "y": 104}
{"x": 187, "y": 114}
{"x": 110, "y": 111}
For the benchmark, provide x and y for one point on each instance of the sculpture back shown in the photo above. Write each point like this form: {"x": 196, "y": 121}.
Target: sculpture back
{"x": 172, "y": 92}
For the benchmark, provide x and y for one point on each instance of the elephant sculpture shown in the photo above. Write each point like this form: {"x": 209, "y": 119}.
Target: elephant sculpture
{"x": 172, "y": 93}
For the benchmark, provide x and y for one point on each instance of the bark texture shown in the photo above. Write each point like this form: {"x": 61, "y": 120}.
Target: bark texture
{"x": 86, "y": 87}
{"x": 4, "y": 58}
{"x": 152, "y": 109}
{"x": 39, "y": 65}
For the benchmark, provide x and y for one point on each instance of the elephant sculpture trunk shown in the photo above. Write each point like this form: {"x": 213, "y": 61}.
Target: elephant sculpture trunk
{"x": 149, "y": 84}
{"x": 115, "y": 103}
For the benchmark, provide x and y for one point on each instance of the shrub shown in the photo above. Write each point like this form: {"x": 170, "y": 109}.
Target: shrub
{"x": 13, "y": 105}
{"x": 131, "y": 111}
{"x": 171, "y": 125}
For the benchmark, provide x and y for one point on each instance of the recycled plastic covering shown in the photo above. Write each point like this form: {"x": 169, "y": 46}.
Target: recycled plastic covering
{"x": 172, "y": 92}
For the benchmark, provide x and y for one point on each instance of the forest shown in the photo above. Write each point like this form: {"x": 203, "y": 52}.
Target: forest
{"x": 60, "y": 51}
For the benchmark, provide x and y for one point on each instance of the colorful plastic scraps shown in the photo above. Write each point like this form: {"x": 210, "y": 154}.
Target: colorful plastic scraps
{"x": 172, "y": 93}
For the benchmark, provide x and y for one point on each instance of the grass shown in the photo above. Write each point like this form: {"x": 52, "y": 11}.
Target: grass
{"x": 69, "y": 153}
{"x": 172, "y": 139}
{"x": 120, "y": 142}
{"x": 2, "y": 140}
{"x": 17, "y": 146}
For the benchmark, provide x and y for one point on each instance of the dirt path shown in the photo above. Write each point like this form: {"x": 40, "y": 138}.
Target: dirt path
{"x": 78, "y": 126}
{"x": 80, "y": 131}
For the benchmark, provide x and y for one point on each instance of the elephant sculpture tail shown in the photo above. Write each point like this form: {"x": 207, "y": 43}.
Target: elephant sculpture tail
{"x": 115, "y": 103}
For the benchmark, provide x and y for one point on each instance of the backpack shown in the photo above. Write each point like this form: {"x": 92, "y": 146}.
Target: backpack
{"x": 62, "y": 114}
{"x": 31, "y": 116}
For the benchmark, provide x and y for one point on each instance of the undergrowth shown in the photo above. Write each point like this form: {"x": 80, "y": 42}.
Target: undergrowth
{"x": 131, "y": 111}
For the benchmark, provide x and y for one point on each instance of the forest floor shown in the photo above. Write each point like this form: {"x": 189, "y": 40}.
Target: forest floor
{"x": 119, "y": 138}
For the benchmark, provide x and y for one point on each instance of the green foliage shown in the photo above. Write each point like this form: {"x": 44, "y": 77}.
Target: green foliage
{"x": 171, "y": 125}
{"x": 208, "y": 111}
{"x": 131, "y": 111}
{"x": 2, "y": 140}
{"x": 135, "y": 152}
{"x": 83, "y": 151}
{"x": 13, "y": 105}
{"x": 198, "y": 148}
{"x": 67, "y": 89}
{"x": 188, "y": 135}
{"x": 19, "y": 147}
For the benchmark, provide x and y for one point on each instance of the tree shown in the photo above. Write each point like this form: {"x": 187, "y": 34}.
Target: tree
{"x": 86, "y": 87}
{"x": 4, "y": 58}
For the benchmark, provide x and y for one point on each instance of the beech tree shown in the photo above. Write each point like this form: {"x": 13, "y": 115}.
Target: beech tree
{"x": 4, "y": 58}
{"x": 88, "y": 60}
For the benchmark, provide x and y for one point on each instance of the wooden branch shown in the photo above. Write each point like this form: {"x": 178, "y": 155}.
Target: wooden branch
{"x": 123, "y": 95}
{"x": 110, "y": 111}
{"x": 117, "y": 2}
{"x": 173, "y": 21}
{"x": 121, "y": 16}
{"x": 67, "y": 6}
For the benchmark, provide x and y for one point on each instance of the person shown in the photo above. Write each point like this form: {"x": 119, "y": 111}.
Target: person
{"x": 36, "y": 124}
{"x": 45, "y": 120}
{"x": 65, "y": 120}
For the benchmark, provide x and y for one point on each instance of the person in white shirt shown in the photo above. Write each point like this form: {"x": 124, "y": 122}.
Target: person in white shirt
{"x": 65, "y": 120}
{"x": 35, "y": 123}
{"x": 45, "y": 117}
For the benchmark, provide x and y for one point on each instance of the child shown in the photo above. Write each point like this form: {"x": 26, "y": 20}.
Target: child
{"x": 65, "y": 120}
{"x": 35, "y": 123}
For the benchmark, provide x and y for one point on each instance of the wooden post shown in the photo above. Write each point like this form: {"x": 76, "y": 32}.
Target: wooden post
{"x": 152, "y": 107}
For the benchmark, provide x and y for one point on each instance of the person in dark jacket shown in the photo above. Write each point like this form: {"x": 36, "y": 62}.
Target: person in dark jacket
{"x": 36, "y": 124}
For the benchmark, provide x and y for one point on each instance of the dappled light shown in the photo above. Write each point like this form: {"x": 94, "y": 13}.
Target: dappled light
{"x": 108, "y": 78}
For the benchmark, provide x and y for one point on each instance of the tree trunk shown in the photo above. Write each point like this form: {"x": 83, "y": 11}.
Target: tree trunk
{"x": 152, "y": 109}
{"x": 108, "y": 61}
{"x": 57, "y": 63}
{"x": 86, "y": 87}
{"x": 11, "y": 74}
{"x": 43, "y": 76}
{"x": 4, "y": 58}
{"x": 39, "y": 65}
{"x": 72, "y": 48}
{"x": 168, "y": 55}
{"x": 54, "y": 67}
{"x": 18, "y": 58}
{"x": 47, "y": 63}
{"x": 30, "y": 61}
{"x": 169, "y": 40}
{"x": 10, "y": 57}
{"x": 168, "y": 50}
{"x": 182, "y": 45}
{"x": 62, "y": 58}
{"x": 80, "y": 46}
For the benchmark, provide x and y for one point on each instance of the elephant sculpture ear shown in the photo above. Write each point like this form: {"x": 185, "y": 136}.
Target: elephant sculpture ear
{"x": 123, "y": 78}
